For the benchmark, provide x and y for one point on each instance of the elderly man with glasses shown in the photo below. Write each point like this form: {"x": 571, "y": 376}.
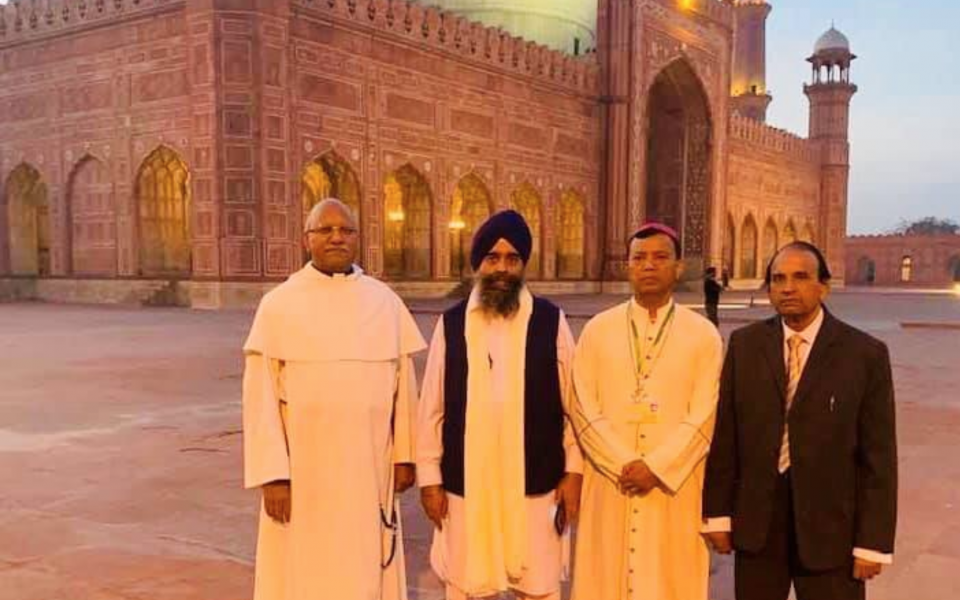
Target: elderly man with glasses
{"x": 329, "y": 398}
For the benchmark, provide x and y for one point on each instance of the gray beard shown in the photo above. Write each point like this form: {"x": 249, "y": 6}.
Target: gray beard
{"x": 500, "y": 302}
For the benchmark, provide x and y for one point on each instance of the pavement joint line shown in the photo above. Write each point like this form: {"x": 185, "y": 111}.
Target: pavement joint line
{"x": 930, "y": 325}
{"x": 198, "y": 544}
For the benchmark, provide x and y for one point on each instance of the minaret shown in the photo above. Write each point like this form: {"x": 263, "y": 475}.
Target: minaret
{"x": 749, "y": 81}
{"x": 830, "y": 93}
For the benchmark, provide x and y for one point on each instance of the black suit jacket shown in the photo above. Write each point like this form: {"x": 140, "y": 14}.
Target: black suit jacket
{"x": 842, "y": 443}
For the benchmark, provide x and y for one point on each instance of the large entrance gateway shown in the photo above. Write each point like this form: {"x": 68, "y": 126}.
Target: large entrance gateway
{"x": 678, "y": 174}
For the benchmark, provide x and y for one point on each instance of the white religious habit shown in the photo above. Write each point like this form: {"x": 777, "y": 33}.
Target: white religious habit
{"x": 646, "y": 388}
{"x": 329, "y": 403}
{"x": 497, "y": 538}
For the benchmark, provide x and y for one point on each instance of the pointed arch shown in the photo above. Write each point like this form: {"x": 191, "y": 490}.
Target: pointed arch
{"x": 789, "y": 233}
{"x": 748, "y": 249}
{"x": 730, "y": 246}
{"x": 679, "y": 174}
{"x": 770, "y": 245}
{"x": 526, "y": 200}
{"x": 407, "y": 231}
{"x": 906, "y": 269}
{"x": 807, "y": 234}
{"x": 91, "y": 219}
{"x": 866, "y": 270}
{"x": 953, "y": 268}
{"x": 163, "y": 214}
{"x": 472, "y": 204}
{"x": 330, "y": 176}
{"x": 570, "y": 236}
{"x": 28, "y": 222}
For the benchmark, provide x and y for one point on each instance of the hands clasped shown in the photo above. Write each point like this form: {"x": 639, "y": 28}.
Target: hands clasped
{"x": 637, "y": 479}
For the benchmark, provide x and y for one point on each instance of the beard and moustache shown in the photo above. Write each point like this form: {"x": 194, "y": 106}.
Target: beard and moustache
{"x": 503, "y": 300}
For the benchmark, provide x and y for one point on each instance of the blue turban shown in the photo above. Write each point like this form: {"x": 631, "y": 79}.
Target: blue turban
{"x": 507, "y": 225}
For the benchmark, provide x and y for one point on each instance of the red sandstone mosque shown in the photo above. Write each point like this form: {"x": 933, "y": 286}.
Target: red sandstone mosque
{"x": 172, "y": 147}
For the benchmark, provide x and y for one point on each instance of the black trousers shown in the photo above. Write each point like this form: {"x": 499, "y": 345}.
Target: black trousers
{"x": 713, "y": 313}
{"x": 768, "y": 574}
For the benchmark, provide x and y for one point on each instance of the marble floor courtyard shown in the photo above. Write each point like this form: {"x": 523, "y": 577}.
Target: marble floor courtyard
{"x": 120, "y": 450}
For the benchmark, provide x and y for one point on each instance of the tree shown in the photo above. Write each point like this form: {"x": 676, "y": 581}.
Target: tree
{"x": 928, "y": 226}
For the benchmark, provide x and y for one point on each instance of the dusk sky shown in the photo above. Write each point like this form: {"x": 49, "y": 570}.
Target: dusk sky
{"x": 905, "y": 120}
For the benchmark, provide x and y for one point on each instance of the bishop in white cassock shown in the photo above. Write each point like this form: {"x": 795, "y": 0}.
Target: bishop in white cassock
{"x": 498, "y": 465}
{"x": 329, "y": 402}
{"x": 646, "y": 374}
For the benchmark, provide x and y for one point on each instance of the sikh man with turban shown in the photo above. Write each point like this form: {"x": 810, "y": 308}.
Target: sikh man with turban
{"x": 647, "y": 375}
{"x": 498, "y": 465}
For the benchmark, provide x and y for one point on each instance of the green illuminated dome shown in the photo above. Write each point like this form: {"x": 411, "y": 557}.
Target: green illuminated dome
{"x": 566, "y": 25}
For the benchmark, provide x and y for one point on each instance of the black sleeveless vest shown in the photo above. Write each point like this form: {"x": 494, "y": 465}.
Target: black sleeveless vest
{"x": 543, "y": 406}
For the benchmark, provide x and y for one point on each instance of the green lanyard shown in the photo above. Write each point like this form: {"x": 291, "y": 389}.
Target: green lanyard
{"x": 635, "y": 341}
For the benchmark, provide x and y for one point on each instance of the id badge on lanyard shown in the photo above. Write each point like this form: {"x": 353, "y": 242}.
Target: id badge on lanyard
{"x": 643, "y": 409}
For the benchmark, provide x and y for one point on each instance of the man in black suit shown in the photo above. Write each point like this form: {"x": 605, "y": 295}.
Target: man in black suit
{"x": 802, "y": 474}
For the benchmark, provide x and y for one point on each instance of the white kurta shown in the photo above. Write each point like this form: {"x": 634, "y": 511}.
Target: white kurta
{"x": 547, "y": 554}
{"x": 647, "y": 547}
{"x": 328, "y": 369}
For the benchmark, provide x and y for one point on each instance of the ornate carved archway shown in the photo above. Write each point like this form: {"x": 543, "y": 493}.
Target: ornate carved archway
{"x": 678, "y": 165}
{"x": 472, "y": 204}
{"x": 748, "y": 249}
{"x": 526, "y": 201}
{"x": 163, "y": 214}
{"x": 28, "y": 222}
{"x": 570, "y": 236}
{"x": 92, "y": 219}
{"x": 407, "y": 203}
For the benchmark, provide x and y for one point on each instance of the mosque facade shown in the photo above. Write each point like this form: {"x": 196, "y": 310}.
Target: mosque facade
{"x": 157, "y": 150}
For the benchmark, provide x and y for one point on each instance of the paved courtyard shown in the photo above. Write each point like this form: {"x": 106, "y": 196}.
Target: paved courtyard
{"x": 120, "y": 448}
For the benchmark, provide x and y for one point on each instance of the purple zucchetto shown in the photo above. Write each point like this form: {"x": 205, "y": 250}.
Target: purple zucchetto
{"x": 507, "y": 225}
{"x": 653, "y": 228}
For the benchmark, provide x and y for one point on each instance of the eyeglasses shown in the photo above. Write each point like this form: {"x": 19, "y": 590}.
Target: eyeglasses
{"x": 329, "y": 230}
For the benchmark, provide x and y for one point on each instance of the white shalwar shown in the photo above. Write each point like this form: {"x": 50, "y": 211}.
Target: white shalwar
{"x": 328, "y": 370}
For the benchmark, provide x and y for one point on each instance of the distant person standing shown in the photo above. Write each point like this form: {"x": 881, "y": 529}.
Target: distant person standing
{"x": 711, "y": 295}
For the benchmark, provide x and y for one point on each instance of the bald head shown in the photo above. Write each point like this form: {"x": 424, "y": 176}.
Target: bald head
{"x": 327, "y": 206}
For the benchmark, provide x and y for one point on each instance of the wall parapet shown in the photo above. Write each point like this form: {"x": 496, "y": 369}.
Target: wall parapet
{"x": 902, "y": 237}
{"x": 763, "y": 136}
{"x": 433, "y": 27}
{"x": 715, "y": 10}
{"x": 23, "y": 20}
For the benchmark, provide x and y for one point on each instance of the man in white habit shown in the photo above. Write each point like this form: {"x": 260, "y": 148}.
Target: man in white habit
{"x": 497, "y": 463}
{"x": 329, "y": 405}
{"x": 646, "y": 374}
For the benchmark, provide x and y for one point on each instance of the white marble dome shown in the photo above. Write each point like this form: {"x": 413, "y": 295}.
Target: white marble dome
{"x": 566, "y": 25}
{"x": 831, "y": 40}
